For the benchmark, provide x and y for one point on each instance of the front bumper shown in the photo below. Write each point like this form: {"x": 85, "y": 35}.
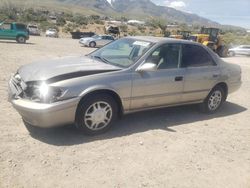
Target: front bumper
{"x": 41, "y": 114}
{"x": 46, "y": 115}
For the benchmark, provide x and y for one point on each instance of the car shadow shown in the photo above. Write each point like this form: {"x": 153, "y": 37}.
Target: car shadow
{"x": 163, "y": 119}
{"x": 14, "y": 42}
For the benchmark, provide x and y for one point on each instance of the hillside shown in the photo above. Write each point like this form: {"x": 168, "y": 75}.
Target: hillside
{"x": 141, "y": 9}
{"x": 133, "y": 9}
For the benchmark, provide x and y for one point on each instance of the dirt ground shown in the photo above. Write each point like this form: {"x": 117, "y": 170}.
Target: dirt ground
{"x": 173, "y": 147}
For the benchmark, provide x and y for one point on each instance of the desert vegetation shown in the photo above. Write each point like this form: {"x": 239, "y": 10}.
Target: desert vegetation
{"x": 68, "y": 21}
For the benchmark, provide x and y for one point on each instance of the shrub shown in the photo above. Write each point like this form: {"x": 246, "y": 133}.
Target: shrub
{"x": 124, "y": 28}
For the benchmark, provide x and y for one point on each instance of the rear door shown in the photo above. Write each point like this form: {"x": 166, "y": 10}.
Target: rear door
{"x": 201, "y": 72}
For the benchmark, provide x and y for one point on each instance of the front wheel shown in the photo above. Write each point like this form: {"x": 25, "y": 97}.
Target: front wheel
{"x": 92, "y": 44}
{"x": 231, "y": 53}
{"x": 21, "y": 39}
{"x": 214, "y": 100}
{"x": 96, "y": 114}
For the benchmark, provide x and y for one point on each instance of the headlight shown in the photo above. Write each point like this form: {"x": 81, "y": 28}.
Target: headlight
{"x": 46, "y": 94}
{"x": 43, "y": 89}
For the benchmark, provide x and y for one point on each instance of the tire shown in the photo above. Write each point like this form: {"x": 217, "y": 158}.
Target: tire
{"x": 96, "y": 114}
{"x": 231, "y": 54}
{"x": 92, "y": 44}
{"x": 21, "y": 39}
{"x": 214, "y": 100}
{"x": 222, "y": 51}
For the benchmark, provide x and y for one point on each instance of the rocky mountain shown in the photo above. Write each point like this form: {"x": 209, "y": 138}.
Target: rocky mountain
{"x": 140, "y": 9}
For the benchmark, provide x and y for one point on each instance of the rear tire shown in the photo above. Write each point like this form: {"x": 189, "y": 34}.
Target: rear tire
{"x": 21, "y": 39}
{"x": 222, "y": 51}
{"x": 96, "y": 114}
{"x": 214, "y": 100}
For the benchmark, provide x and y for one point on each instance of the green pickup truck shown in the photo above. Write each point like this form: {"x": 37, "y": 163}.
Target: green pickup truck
{"x": 14, "y": 31}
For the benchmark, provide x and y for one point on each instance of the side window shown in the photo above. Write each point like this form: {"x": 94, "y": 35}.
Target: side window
{"x": 21, "y": 26}
{"x": 5, "y": 26}
{"x": 110, "y": 38}
{"x": 195, "y": 56}
{"x": 166, "y": 56}
{"x": 246, "y": 47}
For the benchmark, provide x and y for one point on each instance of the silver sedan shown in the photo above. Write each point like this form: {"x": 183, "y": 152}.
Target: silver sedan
{"x": 128, "y": 75}
{"x": 240, "y": 50}
{"x": 96, "y": 40}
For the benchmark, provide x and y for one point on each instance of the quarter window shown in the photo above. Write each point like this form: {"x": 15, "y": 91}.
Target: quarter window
{"x": 195, "y": 56}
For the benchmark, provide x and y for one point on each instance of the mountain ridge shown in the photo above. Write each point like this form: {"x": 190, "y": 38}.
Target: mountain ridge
{"x": 141, "y": 9}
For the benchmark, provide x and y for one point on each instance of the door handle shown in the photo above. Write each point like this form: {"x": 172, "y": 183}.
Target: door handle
{"x": 215, "y": 75}
{"x": 178, "y": 78}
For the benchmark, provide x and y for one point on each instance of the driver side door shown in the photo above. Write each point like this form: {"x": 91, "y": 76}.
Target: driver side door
{"x": 160, "y": 87}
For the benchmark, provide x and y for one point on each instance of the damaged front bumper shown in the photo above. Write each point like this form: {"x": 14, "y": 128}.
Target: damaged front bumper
{"x": 41, "y": 114}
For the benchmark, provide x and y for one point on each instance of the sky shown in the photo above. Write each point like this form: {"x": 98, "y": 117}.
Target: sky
{"x": 231, "y": 12}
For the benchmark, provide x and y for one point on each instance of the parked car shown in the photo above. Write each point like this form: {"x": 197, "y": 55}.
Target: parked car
{"x": 78, "y": 34}
{"x": 14, "y": 31}
{"x": 96, "y": 40}
{"x": 33, "y": 30}
{"x": 239, "y": 50}
{"x": 51, "y": 33}
{"x": 128, "y": 75}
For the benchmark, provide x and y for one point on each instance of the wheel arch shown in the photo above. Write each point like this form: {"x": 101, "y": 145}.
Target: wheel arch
{"x": 21, "y": 35}
{"x": 109, "y": 91}
{"x": 92, "y": 41}
{"x": 224, "y": 86}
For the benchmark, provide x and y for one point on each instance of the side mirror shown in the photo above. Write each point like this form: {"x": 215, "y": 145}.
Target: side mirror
{"x": 147, "y": 67}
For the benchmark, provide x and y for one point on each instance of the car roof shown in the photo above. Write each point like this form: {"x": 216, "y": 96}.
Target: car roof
{"x": 161, "y": 39}
{"x": 244, "y": 46}
{"x": 105, "y": 35}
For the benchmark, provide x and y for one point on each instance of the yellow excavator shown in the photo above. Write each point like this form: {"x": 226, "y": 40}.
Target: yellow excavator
{"x": 210, "y": 37}
{"x": 181, "y": 35}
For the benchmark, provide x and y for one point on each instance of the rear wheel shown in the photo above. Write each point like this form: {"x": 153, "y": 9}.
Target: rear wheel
{"x": 92, "y": 44}
{"x": 222, "y": 51}
{"x": 214, "y": 100}
{"x": 96, "y": 114}
{"x": 21, "y": 39}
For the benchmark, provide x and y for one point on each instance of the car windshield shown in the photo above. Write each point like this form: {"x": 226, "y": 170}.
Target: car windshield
{"x": 96, "y": 36}
{"x": 123, "y": 52}
{"x": 33, "y": 27}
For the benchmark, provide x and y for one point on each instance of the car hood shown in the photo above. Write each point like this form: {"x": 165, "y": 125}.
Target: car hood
{"x": 63, "y": 68}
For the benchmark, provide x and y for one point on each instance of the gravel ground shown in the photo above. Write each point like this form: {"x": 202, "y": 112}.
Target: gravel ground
{"x": 173, "y": 147}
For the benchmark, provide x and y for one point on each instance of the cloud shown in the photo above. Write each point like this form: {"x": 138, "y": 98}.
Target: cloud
{"x": 175, "y": 4}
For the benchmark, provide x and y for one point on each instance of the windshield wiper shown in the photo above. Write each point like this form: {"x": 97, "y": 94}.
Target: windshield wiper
{"x": 102, "y": 59}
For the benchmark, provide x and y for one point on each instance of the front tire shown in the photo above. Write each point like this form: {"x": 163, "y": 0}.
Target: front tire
{"x": 96, "y": 114}
{"x": 231, "y": 54}
{"x": 213, "y": 101}
{"x": 21, "y": 39}
{"x": 92, "y": 44}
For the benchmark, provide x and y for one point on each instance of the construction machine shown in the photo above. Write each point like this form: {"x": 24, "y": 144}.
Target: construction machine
{"x": 181, "y": 35}
{"x": 211, "y": 38}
